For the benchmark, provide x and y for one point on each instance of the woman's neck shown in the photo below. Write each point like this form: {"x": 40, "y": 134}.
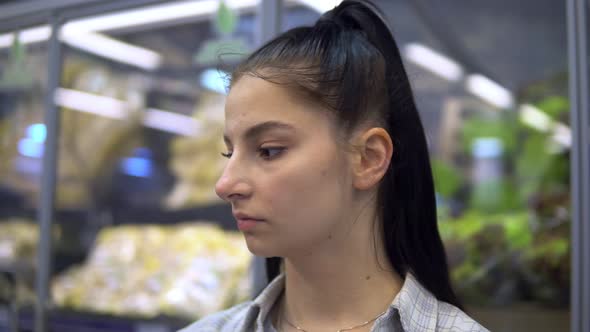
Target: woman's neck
{"x": 343, "y": 283}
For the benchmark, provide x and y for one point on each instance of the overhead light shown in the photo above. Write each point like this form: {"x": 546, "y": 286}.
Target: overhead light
{"x": 117, "y": 109}
{"x": 171, "y": 122}
{"x": 433, "y": 61}
{"x": 26, "y": 36}
{"x": 113, "y": 49}
{"x": 94, "y": 43}
{"x": 535, "y": 118}
{"x": 129, "y": 18}
{"x": 156, "y": 14}
{"x": 489, "y": 91}
{"x": 91, "y": 103}
{"x": 321, "y": 6}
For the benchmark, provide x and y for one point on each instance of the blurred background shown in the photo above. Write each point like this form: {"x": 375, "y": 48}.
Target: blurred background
{"x": 110, "y": 133}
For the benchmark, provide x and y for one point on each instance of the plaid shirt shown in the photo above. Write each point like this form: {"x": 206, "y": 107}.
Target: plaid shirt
{"x": 413, "y": 309}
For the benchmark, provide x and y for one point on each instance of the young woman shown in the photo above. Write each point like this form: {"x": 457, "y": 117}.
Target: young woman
{"x": 329, "y": 177}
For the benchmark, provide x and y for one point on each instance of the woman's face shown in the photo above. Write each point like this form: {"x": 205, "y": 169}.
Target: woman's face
{"x": 287, "y": 179}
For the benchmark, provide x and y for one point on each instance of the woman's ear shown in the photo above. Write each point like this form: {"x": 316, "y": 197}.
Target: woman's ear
{"x": 373, "y": 151}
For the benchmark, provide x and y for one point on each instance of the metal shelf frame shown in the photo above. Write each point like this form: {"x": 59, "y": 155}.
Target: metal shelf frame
{"x": 577, "y": 12}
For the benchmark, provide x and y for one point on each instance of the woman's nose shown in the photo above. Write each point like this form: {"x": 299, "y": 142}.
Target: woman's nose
{"x": 233, "y": 183}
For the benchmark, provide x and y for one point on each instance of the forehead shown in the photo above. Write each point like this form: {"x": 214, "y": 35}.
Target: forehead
{"x": 253, "y": 100}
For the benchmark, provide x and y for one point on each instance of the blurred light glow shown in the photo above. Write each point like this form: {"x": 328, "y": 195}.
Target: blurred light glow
{"x": 433, "y": 61}
{"x": 215, "y": 80}
{"x": 29, "y": 147}
{"x": 37, "y": 132}
{"x": 136, "y": 166}
{"x": 171, "y": 122}
{"x": 535, "y": 118}
{"x": 562, "y": 134}
{"x": 91, "y": 103}
{"x": 118, "y": 109}
{"x": 487, "y": 147}
{"x": 112, "y": 49}
{"x": 90, "y": 42}
{"x": 489, "y": 91}
{"x": 129, "y": 18}
{"x": 26, "y": 36}
{"x": 156, "y": 14}
{"x": 321, "y": 6}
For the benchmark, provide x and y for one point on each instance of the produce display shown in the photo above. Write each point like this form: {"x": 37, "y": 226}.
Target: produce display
{"x": 504, "y": 211}
{"x": 18, "y": 172}
{"x": 18, "y": 240}
{"x": 18, "y": 247}
{"x": 91, "y": 145}
{"x": 188, "y": 270}
{"x": 196, "y": 161}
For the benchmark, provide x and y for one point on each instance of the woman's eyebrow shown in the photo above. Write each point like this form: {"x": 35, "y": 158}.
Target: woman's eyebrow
{"x": 258, "y": 129}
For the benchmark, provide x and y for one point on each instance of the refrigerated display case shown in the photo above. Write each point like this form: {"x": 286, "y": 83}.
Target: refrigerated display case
{"x": 500, "y": 141}
{"x": 140, "y": 107}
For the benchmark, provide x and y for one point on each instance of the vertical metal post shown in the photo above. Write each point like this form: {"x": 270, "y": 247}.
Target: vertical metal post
{"x": 48, "y": 178}
{"x": 270, "y": 14}
{"x": 580, "y": 165}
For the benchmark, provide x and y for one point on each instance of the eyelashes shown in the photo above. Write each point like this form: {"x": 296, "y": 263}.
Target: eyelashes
{"x": 269, "y": 153}
{"x": 266, "y": 153}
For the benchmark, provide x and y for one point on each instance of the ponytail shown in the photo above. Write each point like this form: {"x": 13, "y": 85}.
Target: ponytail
{"x": 406, "y": 196}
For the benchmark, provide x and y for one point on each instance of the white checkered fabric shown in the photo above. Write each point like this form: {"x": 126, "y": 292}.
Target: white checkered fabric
{"x": 414, "y": 309}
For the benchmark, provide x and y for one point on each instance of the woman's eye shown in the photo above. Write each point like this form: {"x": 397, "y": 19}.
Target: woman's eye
{"x": 270, "y": 153}
{"x": 226, "y": 154}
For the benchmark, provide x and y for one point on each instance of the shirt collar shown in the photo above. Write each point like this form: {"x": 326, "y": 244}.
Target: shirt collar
{"x": 417, "y": 307}
{"x": 264, "y": 302}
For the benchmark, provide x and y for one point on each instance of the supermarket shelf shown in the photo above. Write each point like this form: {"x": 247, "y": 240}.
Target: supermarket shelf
{"x": 219, "y": 213}
{"x": 62, "y": 320}
{"x": 16, "y": 268}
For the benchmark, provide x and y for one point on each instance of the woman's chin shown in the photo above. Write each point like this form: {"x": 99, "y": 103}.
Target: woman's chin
{"x": 261, "y": 248}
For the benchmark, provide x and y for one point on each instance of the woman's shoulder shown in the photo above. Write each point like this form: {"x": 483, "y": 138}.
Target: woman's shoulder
{"x": 451, "y": 318}
{"x": 228, "y": 320}
{"x": 420, "y": 310}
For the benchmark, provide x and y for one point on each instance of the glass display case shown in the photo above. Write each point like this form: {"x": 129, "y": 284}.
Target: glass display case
{"x": 141, "y": 102}
{"x": 491, "y": 85}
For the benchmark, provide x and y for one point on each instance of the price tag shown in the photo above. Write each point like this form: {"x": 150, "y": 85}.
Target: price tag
{"x": 151, "y": 327}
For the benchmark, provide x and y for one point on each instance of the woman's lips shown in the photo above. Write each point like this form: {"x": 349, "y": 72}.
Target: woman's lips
{"x": 246, "y": 224}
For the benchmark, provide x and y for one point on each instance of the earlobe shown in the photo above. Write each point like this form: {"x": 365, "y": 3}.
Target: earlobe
{"x": 375, "y": 149}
